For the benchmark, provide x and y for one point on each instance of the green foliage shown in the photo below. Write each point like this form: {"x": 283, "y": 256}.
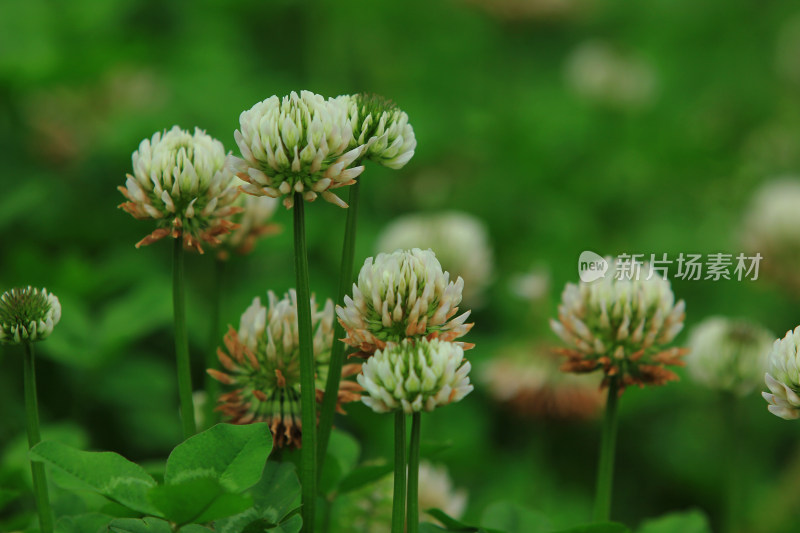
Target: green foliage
{"x": 679, "y": 522}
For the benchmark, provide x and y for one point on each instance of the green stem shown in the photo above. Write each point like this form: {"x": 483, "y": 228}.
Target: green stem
{"x": 37, "y": 468}
{"x": 413, "y": 475}
{"x": 605, "y": 469}
{"x": 399, "y": 496}
{"x": 182, "y": 342}
{"x": 308, "y": 403}
{"x": 212, "y": 385}
{"x": 328, "y": 409}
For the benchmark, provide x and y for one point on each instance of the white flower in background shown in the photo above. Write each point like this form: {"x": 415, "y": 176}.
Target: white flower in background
{"x": 436, "y": 491}
{"x": 27, "y": 315}
{"x": 728, "y": 355}
{"x": 533, "y": 285}
{"x": 263, "y": 364}
{"x": 402, "y": 295}
{"x": 599, "y": 73}
{"x": 783, "y": 377}
{"x": 621, "y": 326}
{"x": 528, "y": 381}
{"x": 297, "y": 144}
{"x": 459, "y": 240}
{"x": 253, "y": 222}
{"x": 415, "y": 376}
{"x": 772, "y": 228}
{"x": 180, "y": 180}
{"x": 383, "y": 129}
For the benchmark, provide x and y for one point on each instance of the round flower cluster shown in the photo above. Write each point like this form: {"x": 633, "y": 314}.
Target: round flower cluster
{"x": 263, "y": 364}
{"x": 772, "y": 228}
{"x": 383, "y": 130}
{"x": 181, "y": 181}
{"x": 527, "y": 380}
{"x": 415, "y": 376}
{"x": 27, "y": 315}
{"x": 311, "y": 145}
{"x": 252, "y": 223}
{"x": 728, "y": 355}
{"x": 783, "y": 377}
{"x": 402, "y": 295}
{"x": 460, "y": 241}
{"x": 622, "y": 327}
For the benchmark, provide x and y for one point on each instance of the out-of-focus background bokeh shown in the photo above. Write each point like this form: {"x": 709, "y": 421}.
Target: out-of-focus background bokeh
{"x": 559, "y": 125}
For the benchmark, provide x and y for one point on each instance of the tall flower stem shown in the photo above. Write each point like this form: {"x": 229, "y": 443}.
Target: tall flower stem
{"x": 605, "y": 469}
{"x": 182, "y": 342}
{"x": 337, "y": 350}
{"x": 413, "y": 474}
{"x": 308, "y": 404}
{"x": 399, "y": 495}
{"x": 37, "y": 468}
{"x": 212, "y": 385}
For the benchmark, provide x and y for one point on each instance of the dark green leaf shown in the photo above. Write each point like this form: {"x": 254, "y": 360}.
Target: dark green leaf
{"x": 106, "y": 473}
{"x": 85, "y": 523}
{"x": 601, "y": 527}
{"x": 235, "y": 455}
{"x": 363, "y": 475}
{"x": 135, "y": 525}
{"x": 513, "y": 518}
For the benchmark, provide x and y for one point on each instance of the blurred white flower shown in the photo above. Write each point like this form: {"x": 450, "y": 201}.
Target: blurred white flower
{"x": 252, "y": 223}
{"x": 533, "y": 285}
{"x": 180, "y": 181}
{"x": 459, "y": 240}
{"x": 783, "y": 377}
{"x": 263, "y": 364}
{"x": 772, "y": 228}
{"x": 728, "y": 355}
{"x": 528, "y": 380}
{"x": 599, "y": 73}
{"x": 415, "y": 376}
{"x": 621, "y": 326}
{"x": 436, "y": 491}
{"x": 297, "y": 144}
{"x": 28, "y": 315}
{"x": 402, "y": 295}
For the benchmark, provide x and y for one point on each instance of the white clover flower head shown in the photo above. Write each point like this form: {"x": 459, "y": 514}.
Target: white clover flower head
{"x": 459, "y": 240}
{"x": 415, "y": 376}
{"x": 783, "y": 377}
{"x": 262, "y": 362}
{"x": 252, "y": 223}
{"x": 405, "y": 294}
{"x": 772, "y": 228}
{"x": 28, "y": 315}
{"x": 621, "y": 326}
{"x": 599, "y": 73}
{"x": 383, "y": 129}
{"x": 728, "y": 355}
{"x": 436, "y": 490}
{"x": 180, "y": 180}
{"x": 297, "y": 144}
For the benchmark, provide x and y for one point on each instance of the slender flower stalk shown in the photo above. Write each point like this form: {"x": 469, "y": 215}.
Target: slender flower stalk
{"x": 182, "y": 342}
{"x": 28, "y": 315}
{"x": 37, "y": 468}
{"x": 328, "y": 408}
{"x": 413, "y": 474}
{"x": 605, "y": 468}
{"x": 308, "y": 406}
{"x": 399, "y": 495}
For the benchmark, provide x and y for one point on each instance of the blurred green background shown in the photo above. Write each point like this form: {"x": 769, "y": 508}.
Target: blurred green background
{"x": 517, "y": 123}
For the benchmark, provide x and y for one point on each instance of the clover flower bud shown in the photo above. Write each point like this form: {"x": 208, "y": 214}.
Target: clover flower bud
{"x": 383, "y": 129}
{"x": 415, "y": 376}
{"x": 27, "y": 315}
{"x": 783, "y": 377}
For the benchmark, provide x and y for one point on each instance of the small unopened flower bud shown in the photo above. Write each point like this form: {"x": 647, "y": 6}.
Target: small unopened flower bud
{"x": 383, "y": 129}
{"x": 27, "y": 315}
{"x": 415, "y": 376}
